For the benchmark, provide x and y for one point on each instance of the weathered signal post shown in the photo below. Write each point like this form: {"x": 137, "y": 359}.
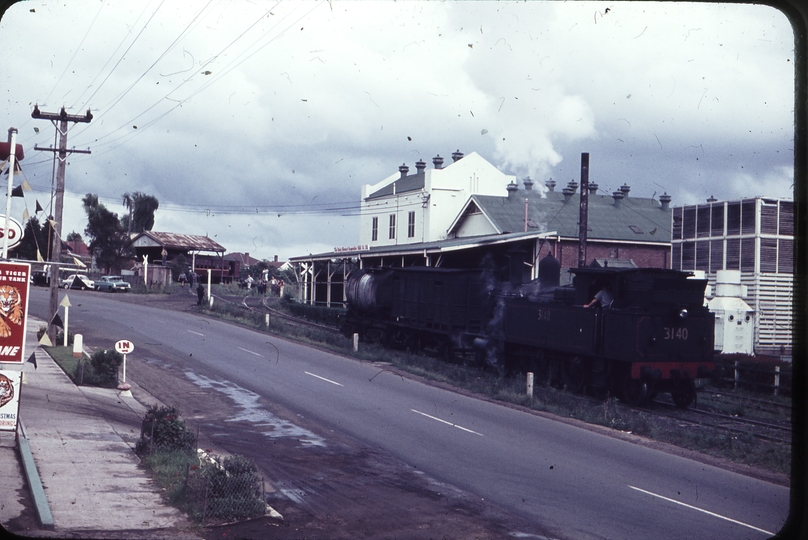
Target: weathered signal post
{"x": 56, "y": 242}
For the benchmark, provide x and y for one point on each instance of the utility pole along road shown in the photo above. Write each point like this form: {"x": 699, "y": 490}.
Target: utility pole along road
{"x": 555, "y": 479}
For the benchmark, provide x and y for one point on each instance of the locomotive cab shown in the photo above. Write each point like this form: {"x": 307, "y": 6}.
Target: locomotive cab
{"x": 657, "y": 332}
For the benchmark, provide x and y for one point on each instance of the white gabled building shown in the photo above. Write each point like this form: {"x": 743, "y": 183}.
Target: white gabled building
{"x": 414, "y": 208}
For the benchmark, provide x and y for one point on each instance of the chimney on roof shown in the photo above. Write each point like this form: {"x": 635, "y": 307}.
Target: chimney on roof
{"x": 618, "y": 198}
{"x": 593, "y": 188}
{"x": 568, "y": 193}
{"x": 512, "y": 187}
{"x": 457, "y": 156}
{"x": 625, "y": 189}
{"x": 528, "y": 184}
{"x": 403, "y": 169}
{"x": 573, "y": 185}
{"x": 665, "y": 200}
{"x": 246, "y": 257}
{"x": 275, "y": 259}
{"x": 420, "y": 165}
{"x": 437, "y": 161}
{"x": 551, "y": 184}
{"x": 712, "y": 199}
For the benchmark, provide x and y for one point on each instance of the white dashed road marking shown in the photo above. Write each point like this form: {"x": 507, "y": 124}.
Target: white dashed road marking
{"x": 445, "y": 422}
{"x": 322, "y": 378}
{"x": 702, "y": 510}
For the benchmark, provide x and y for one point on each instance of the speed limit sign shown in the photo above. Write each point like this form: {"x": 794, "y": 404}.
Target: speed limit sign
{"x": 124, "y": 346}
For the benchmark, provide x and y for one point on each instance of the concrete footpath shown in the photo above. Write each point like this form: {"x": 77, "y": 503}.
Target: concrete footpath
{"x": 82, "y": 441}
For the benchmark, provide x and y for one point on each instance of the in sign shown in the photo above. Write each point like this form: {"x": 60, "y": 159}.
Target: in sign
{"x": 124, "y": 346}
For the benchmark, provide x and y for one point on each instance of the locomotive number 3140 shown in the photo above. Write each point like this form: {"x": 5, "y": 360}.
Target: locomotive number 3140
{"x": 671, "y": 332}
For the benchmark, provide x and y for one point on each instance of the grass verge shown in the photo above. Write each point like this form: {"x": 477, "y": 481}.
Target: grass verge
{"x": 81, "y": 374}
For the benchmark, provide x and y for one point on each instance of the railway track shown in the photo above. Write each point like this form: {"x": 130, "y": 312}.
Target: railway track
{"x": 768, "y": 431}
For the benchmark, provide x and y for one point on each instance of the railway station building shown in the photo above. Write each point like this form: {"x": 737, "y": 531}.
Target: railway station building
{"x": 200, "y": 253}
{"x": 467, "y": 212}
{"x": 754, "y": 236}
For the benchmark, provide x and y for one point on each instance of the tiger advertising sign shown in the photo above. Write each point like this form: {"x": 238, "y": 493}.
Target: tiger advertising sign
{"x": 9, "y": 399}
{"x": 14, "y": 280}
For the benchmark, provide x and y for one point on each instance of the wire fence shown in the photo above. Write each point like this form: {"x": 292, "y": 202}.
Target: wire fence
{"x": 224, "y": 490}
{"x": 769, "y": 378}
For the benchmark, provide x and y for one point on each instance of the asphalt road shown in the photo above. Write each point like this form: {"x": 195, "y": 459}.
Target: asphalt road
{"x": 561, "y": 480}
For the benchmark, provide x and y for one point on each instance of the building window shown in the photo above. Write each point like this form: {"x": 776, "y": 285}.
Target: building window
{"x": 411, "y": 225}
{"x": 375, "y": 229}
{"x": 392, "y": 226}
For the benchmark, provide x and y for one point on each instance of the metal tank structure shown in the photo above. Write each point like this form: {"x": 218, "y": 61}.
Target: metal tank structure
{"x": 734, "y": 319}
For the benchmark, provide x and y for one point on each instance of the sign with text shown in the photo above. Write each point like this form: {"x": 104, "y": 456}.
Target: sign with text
{"x": 124, "y": 346}
{"x": 15, "y": 231}
{"x": 9, "y": 399}
{"x": 14, "y": 283}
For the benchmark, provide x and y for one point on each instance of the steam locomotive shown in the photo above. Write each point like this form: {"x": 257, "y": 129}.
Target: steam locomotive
{"x": 655, "y": 336}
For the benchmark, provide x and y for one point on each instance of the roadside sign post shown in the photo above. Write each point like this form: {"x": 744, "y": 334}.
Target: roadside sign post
{"x": 65, "y": 303}
{"x": 10, "y": 400}
{"x": 124, "y": 347}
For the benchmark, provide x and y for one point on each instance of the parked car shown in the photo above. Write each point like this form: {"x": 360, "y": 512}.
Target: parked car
{"x": 78, "y": 281}
{"x": 41, "y": 278}
{"x": 112, "y": 284}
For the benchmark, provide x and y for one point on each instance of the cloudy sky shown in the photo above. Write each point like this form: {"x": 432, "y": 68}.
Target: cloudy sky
{"x": 257, "y": 123}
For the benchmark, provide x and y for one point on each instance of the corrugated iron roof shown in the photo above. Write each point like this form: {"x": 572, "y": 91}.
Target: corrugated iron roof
{"x": 636, "y": 219}
{"x": 187, "y": 242}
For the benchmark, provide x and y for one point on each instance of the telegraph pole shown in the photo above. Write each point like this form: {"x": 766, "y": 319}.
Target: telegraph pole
{"x": 583, "y": 219}
{"x": 56, "y": 243}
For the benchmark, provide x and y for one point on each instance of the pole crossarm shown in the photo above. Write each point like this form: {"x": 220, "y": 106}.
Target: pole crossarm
{"x": 61, "y": 115}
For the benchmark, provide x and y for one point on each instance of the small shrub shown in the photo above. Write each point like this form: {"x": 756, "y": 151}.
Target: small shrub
{"x": 105, "y": 363}
{"x": 162, "y": 429}
{"x": 60, "y": 336}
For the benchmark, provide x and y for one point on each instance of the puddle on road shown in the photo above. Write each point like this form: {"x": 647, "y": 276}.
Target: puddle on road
{"x": 250, "y": 411}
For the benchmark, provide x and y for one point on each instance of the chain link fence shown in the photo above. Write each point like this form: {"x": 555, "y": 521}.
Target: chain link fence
{"x": 224, "y": 490}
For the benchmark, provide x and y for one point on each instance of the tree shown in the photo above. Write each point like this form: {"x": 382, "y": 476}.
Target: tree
{"x": 141, "y": 211}
{"x": 108, "y": 239}
{"x": 73, "y": 237}
{"x": 35, "y": 238}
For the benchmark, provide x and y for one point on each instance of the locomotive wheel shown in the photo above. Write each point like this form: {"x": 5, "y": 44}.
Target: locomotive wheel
{"x": 683, "y": 398}
{"x": 635, "y": 393}
{"x": 573, "y": 373}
